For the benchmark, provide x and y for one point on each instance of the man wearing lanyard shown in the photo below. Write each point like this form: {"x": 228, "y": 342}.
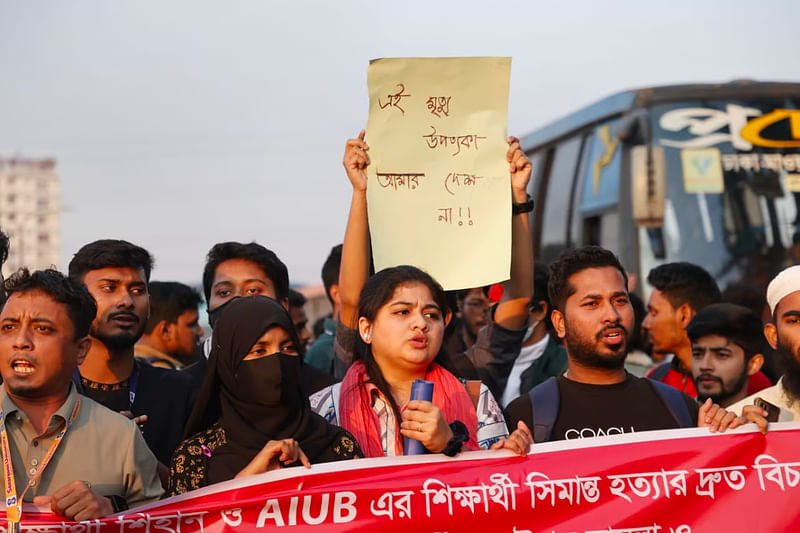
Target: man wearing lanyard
{"x": 116, "y": 274}
{"x": 60, "y": 449}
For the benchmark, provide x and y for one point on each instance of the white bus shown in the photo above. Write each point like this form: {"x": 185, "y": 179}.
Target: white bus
{"x": 708, "y": 174}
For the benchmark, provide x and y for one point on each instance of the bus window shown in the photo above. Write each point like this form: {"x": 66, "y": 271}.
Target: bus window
{"x": 602, "y": 230}
{"x": 558, "y": 190}
{"x": 537, "y": 166}
{"x": 577, "y": 229}
{"x": 600, "y": 177}
{"x": 537, "y": 172}
{"x": 541, "y": 173}
{"x": 594, "y": 213}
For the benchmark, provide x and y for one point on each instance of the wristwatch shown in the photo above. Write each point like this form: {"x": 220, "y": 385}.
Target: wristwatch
{"x": 524, "y": 207}
{"x": 118, "y": 503}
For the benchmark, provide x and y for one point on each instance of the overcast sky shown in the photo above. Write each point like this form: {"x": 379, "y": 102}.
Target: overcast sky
{"x": 178, "y": 124}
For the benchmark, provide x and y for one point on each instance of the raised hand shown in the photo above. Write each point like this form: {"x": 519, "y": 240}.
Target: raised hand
{"x": 518, "y": 165}
{"x": 356, "y": 161}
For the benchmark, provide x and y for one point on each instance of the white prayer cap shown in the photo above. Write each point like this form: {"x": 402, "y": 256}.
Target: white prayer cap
{"x": 782, "y": 285}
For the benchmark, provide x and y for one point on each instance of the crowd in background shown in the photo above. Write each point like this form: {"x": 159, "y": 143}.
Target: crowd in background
{"x": 104, "y": 366}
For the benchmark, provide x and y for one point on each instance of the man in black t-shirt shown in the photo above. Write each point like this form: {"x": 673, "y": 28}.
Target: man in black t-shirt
{"x": 595, "y": 396}
{"x": 117, "y": 273}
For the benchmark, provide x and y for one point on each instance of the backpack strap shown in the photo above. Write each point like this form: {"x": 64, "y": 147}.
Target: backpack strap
{"x": 544, "y": 407}
{"x": 673, "y": 399}
{"x": 661, "y": 371}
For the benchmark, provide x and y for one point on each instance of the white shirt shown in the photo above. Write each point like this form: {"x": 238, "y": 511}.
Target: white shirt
{"x": 527, "y": 356}
{"x": 776, "y": 395}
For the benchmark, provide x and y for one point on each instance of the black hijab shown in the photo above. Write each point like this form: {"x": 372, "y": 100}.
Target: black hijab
{"x": 256, "y": 400}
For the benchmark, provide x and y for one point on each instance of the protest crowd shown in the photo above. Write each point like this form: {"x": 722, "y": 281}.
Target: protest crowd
{"x": 110, "y": 400}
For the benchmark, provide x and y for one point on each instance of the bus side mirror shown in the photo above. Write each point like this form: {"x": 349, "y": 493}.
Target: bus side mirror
{"x": 648, "y": 185}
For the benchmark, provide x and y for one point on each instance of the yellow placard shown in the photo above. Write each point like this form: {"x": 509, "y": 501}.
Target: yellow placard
{"x": 439, "y": 193}
{"x": 792, "y": 182}
{"x": 702, "y": 171}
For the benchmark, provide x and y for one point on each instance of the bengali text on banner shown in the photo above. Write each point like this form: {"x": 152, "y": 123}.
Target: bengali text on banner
{"x": 681, "y": 481}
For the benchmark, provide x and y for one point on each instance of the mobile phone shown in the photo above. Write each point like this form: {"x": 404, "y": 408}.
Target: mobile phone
{"x": 773, "y": 411}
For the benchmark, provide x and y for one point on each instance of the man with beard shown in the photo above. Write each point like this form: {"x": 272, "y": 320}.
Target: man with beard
{"x": 727, "y": 348}
{"x": 596, "y": 396}
{"x": 783, "y": 334}
{"x": 116, "y": 273}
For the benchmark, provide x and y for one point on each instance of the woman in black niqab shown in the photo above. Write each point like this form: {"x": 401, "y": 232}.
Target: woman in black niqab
{"x": 249, "y": 397}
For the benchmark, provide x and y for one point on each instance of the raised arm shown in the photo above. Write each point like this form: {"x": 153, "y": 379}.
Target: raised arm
{"x": 354, "y": 269}
{"x": 512, "y": 312}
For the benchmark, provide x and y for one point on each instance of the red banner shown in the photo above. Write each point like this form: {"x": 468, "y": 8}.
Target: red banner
{"x": 682, "y": 481}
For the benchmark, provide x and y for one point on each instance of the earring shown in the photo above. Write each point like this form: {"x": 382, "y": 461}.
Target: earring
{"x": 366, "y": 337}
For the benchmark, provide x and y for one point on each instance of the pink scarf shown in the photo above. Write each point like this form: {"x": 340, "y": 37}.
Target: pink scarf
{"x": 357, "y": 416}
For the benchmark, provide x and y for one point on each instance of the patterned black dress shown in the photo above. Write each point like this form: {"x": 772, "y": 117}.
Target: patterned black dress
{"x": 189, "y": 463}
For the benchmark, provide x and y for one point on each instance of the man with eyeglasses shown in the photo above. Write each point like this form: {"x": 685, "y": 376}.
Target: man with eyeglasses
{"x": 473, "y": 311}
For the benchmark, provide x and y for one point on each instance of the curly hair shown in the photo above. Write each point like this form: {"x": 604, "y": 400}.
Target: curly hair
{"x": 81, "y": 307}
{"x": 576, "y": 260}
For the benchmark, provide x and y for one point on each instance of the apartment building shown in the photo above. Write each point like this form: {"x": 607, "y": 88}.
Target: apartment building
{"x": 30, "y": 213}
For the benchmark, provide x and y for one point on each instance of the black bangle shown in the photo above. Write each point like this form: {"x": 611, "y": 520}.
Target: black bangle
{"x": 525, "y": 207}
{"x": 460, "y": 436}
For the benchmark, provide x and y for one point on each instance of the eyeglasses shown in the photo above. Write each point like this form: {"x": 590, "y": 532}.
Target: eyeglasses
{"x": 479, "y": 305}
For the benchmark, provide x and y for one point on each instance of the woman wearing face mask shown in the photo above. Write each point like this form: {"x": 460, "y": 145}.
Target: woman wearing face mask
{"x": 250, "y": 415}
{"x": 541, "y": 356}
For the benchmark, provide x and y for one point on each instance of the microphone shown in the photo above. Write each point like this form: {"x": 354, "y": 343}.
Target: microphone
{"x": 420, "y": 390}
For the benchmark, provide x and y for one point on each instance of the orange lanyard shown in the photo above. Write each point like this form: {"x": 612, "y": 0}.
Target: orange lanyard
{"x": 14, "y": 503}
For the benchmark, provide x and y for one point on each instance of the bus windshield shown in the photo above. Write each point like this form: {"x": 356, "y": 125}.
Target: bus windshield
{"x": 733, "y": 184}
